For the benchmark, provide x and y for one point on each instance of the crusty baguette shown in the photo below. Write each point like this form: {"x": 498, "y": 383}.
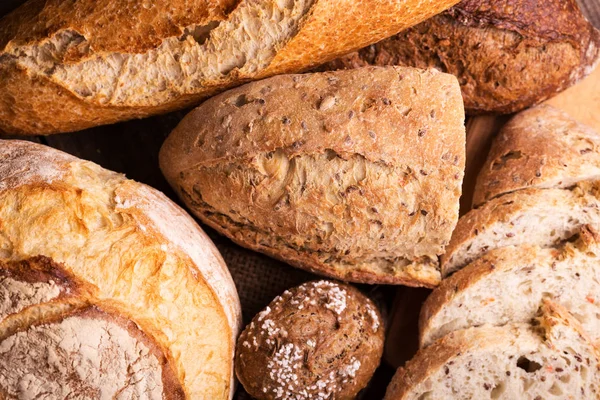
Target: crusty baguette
{"x": 507, "y": 54}
{"x": 66, "y": 66}
{"x": 506, "y": 285}
{"x": 542, "y": 217}
{"x": 541, "y": 147}
{"x": 550, "y": 358}
{"x": 320, "y": 340}
{"x": 351, "y": 174}
{"x": 135, "y": 261}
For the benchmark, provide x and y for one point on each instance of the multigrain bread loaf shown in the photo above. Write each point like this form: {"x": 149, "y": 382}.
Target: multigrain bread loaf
{"x": 109, "y": 289}
{"x": 542, "y": 217}
{"x": 507, "y": 285}
{"x": 66, "y": 66}
{"x": 541, "y": 147}
{"x": 508, "y": 55}
{"x": 320, "y": 340}
{"x": 549, "y": 358}
{"x": 351, "y": 174}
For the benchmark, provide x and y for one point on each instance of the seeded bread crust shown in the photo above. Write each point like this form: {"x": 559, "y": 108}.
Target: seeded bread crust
{"x": 507, "y": 55}
{"x": 355, "y": 175}
{"x": 320, "y": 340}
{"x": 66, "y": 66}
{"x": 550, "y": 357}
{"x": 507, "y": 285}
{"x": 541, "y": 147}
{"x": 542, "y": 217}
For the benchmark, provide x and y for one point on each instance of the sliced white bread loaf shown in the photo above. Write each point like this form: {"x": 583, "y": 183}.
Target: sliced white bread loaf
{"x": 542, "y": 217}
{"x": 541, "y": 147}
{"x": 551, "y": 358}
{"x": 507, "y": 285}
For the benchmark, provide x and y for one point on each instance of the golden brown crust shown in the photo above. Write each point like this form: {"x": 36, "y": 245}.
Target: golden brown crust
{"x": 96, "y": 36}
{"x": 353, "y": 174}
{"x": 541, "y": 147}
{"x": 508, "y": 55}
{"x": 149, "y": 261}
{"x": 317, "y": 341}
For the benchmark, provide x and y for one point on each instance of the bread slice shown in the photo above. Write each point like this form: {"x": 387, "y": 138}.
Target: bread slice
{"x": 549, "y": 358}
{"x": 506, "y": 285}
{"x": 542, "y": 217}
{"x": 355, "y": 174}
{"x": 507, "y": 55}
{"x": 66, "y": 66}
{"x": 541, "y": 147}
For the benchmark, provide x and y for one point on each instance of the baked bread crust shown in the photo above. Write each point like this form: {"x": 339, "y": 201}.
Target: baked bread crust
{"x": 507, "y": 55}
{"x": 147, "y": 259}
{"x": 542, "y": 147}
{"x": 70, "y": 66}
{"x": 549, "y": 357}
{"x": 320, "y": 340}
{"x": 352, "y": 174}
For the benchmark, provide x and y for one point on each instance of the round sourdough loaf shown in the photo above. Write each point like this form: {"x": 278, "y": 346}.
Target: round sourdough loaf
{"x": 320, "y": 340}
{"x": 354, "y": 174}
{"x": 109, "y": 290}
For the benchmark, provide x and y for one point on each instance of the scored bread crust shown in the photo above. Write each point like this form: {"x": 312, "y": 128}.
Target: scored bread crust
{"x": 541, "y": 217}
{"x": 94, "y": 62}
{"x": 310, "y": 168}
{"x": 508, "y": 55}
{"x": 554, "y": 341}
{"x": 148, "y": 259}
{"x": 541, "y": 147}
{"x": 507, "y": 284}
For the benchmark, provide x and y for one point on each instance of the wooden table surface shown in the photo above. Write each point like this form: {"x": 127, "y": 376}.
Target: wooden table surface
{"x": 132, "y": 148}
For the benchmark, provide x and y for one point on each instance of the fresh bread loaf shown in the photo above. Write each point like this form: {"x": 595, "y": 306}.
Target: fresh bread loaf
{"x": 551, "y": 357}
{"x": 109, "y": 290}
{"x": 507, "y": 285}
{"x": 66, "y": 66}
{"x": 352, "y": 174}
{"x": 320, "y": 340}
{"x": 507, "y": 54}
{"x": 542, "y": 217}
{"x": 541, "y": 147}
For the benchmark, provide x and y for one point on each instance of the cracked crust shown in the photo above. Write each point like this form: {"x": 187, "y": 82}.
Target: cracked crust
{"x": 69, "y": 66}
{"x": 148, "y": 260}
{"x": 507, "y": 55}
{"x": 353, "y": 174}
{"x": 542, "y": 147}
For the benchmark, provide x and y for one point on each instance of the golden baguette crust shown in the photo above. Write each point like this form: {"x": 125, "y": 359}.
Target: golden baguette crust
{"x": 147, "y": 258}
{"x": 354, "y": 174}
{"x": 507, "y": 54}
{"x": 541, "y": 147}
{"x": 113, "y": 60}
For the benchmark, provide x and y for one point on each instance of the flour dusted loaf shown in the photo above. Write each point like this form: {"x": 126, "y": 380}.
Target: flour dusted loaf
{"x": 320, "y": 340}
{"x": 66, "y": 66}
{"x": 351, "y": 174}
{"x": 549, "y": 358}
{"x": 507, "y": 285}
{"x": 507, "y": 54}
{"x": 541, "y": 147}
{"x": 108, "y": 290}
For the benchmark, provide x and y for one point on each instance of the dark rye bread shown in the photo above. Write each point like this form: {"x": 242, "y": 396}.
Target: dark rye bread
{"x": 506, "y": 285}
{"x": 507, "y": 54}
{"x": 355, "y": 174}
{"x": 320, "y": 340}
{"x": 549, "y": 358}
{"x": 542, "y": 147}
{"x": 70, "y": 65}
